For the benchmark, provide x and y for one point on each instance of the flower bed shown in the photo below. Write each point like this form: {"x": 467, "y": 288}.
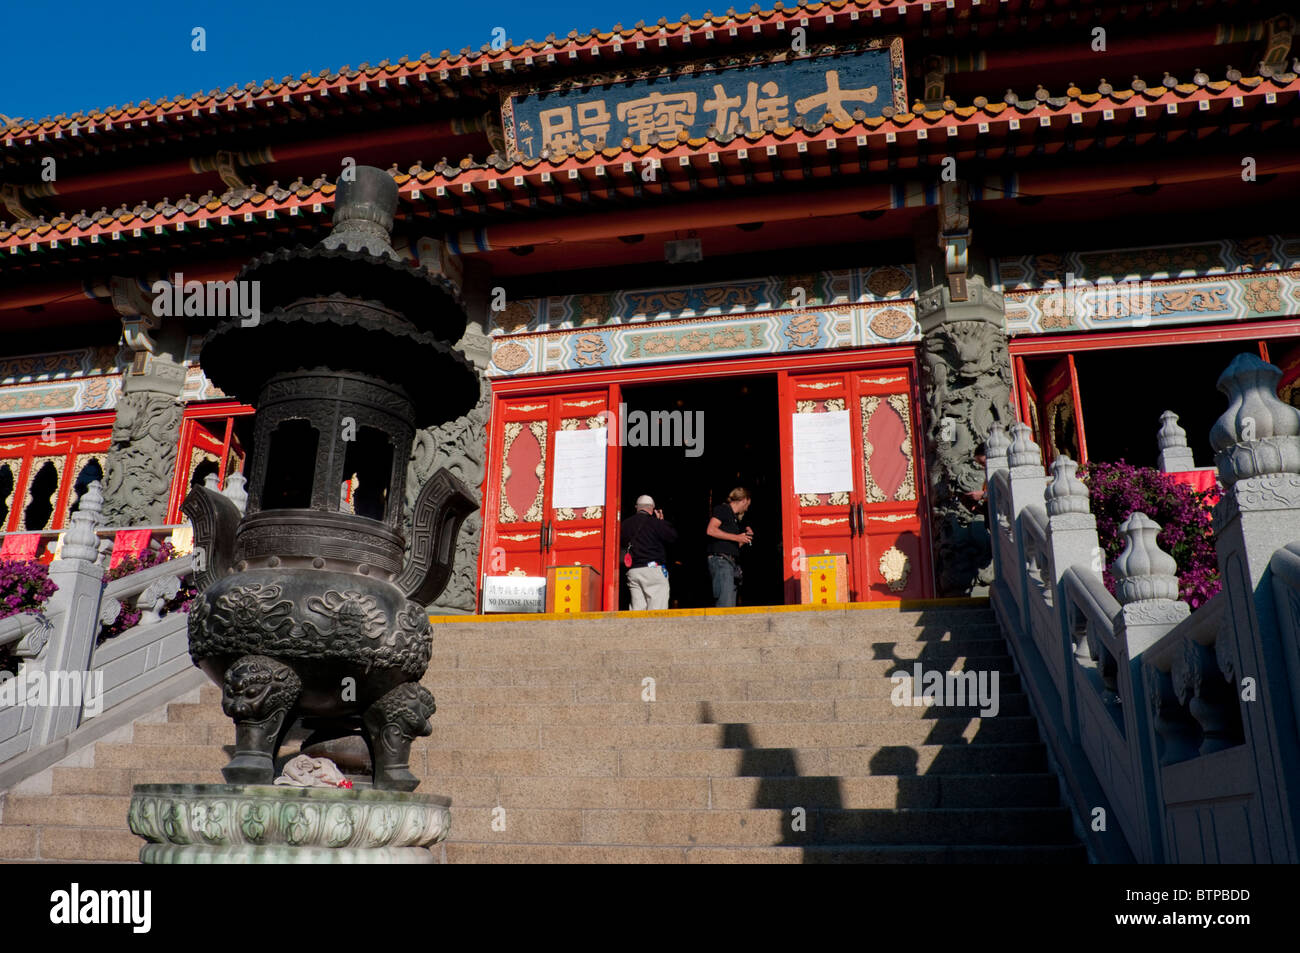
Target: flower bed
{"x": 1119, "y": 489}
{"x": 129, "y": 617}
{"x": 25, "y": 586}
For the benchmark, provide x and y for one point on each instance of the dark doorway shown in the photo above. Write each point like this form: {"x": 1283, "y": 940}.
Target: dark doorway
{"x": 1123, "y": 392}
{"x": 738, "y": 444}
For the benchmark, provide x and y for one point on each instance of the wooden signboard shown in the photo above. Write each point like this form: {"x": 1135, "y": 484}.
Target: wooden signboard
{"x": 731, "y": 96}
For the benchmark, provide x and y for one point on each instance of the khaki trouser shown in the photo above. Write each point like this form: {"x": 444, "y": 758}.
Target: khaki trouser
{"x": 649, "y": 587}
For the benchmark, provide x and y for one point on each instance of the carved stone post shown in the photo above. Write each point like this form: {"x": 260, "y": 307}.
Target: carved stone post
{"x": 1028, "y": 481}
{"x": 1071, "y": 541}
{"x": 1147, "y": 590}
{"x": 1027, "y": 484}
{"x": 1257, "y": 451}
{"x": 142, "y": 457}
{"x": 460, "y": 447}
{"x": 995, "y": 459}
{"x": 1175, "y": 455}
{"x": 62, "y": 650}
{"x": 967, "y": 391}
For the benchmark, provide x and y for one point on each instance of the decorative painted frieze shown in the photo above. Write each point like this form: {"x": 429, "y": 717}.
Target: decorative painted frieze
{"x": 1146, "y": 303}
{"x": 62, "y": 382}
{"x": 1197, "y": 260}
{"x": 850, "y": 308}
{"x": 1228, "y": 280}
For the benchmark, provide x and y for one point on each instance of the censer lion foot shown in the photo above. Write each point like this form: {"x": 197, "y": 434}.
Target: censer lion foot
{"x": 257, "y": 693}
{"x": 391, "y": 724}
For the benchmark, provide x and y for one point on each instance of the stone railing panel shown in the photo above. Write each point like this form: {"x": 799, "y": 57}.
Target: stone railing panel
{"x": 59, "y": 648}
{"x": 1183, "y": 727}
{"x": 142, "y": 657}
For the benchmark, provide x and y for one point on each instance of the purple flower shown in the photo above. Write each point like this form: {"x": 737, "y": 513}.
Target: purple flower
{"x": 128, "y": 618}
{"x": 25, "y": 586}
{"x": 1119, "y": 489}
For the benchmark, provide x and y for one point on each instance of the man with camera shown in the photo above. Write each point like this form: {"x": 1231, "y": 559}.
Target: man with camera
{"x": 646, "y": 538}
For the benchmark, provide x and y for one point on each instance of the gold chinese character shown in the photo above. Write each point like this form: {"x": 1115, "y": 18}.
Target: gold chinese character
{"x": 657, "y": 116}
{"x": 759, "y": 110}
{"x": 756, "y": 111}
{"x": 833, "y": 99}
{"x": 593, "y": 122}
{"x": 721, "y": 105}
{"x": 557, "y": 129}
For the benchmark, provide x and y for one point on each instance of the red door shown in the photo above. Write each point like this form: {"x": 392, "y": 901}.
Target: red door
{"x": 549, "y": 487}
{"x": 1056, "y": 418}
{"x": 852, "y": 480}
{"x": 1061, "y": 419}
{"x": 1288, "y": 388}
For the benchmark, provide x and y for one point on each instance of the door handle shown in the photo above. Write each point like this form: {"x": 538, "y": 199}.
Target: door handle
{"x": 853, "y": 530}
{"x": 862, "y": 521}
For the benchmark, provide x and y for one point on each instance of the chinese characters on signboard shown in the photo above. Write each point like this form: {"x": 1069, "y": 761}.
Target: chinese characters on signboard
{"x": 725, "y": 100}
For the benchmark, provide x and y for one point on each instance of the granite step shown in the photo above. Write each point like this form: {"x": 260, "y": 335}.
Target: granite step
{"x": 764, "y": 827}
{"x": 444, "y": 657}
{"x": 706, "y": 637}
{"x": 741, "y": 735}
{"x": 509, "y": 853}
{"x": 756, "y": 714}
{"x": 451, "y": 691}
{"x": 748, "y": 711}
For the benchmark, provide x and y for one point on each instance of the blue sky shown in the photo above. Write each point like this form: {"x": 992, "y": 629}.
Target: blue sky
{"x": 76, "y": 55}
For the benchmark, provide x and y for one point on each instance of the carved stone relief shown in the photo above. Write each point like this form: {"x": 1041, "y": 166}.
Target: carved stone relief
{"x": 461, "y": 447}
{"x": 141, "y": 459}
{"x": 967, "y": 383}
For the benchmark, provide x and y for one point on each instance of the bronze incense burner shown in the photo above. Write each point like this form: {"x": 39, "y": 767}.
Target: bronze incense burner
{"x": 308, "y": 607}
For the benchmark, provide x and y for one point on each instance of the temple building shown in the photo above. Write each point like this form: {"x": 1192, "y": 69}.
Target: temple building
{"x": 817, "y": 251}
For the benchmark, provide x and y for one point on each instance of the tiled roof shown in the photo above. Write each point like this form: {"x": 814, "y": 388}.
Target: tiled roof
{"x": 854, "y": 144}
{"x": 591, "y": 48}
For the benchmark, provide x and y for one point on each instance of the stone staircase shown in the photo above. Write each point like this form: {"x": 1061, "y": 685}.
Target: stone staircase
{"x": 772, "y": 737}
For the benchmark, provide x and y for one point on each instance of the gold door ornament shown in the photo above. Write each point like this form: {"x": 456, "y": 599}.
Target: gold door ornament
{"x": 873, "y": 493}
{"x": 895, "y": 567}
{"x": 902, "y": 406}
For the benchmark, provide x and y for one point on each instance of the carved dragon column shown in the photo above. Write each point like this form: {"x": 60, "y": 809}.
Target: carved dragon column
{"x": 142, "y": 457}
{"x": 967, "y": 381}
{"x": 461, "y": 445}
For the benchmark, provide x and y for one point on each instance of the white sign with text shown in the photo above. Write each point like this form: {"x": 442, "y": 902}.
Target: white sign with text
{"x": 514, "y": 594}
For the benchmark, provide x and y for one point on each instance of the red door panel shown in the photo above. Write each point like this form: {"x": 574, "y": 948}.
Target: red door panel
{"x": 820, "y": 522}
{"x": 894, "y": 563}
{"x": 520, "y": 472}
{"x": 524, "y": 532}
{"x": 878, "y": 523}
{"x": 578, "y": 535}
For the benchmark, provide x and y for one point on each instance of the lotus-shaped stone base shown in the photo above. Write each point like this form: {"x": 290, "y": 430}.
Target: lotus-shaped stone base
{"x": 269, "y": 824}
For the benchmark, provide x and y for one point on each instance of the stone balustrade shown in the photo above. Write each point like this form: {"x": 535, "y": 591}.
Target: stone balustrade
{"x": 59, "y": 645}
{"x": 1176, "y": 733}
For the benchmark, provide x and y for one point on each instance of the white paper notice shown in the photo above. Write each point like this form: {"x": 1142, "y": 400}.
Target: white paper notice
{"x": 823, "y": 453}
{"x": 579, "y": 468}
